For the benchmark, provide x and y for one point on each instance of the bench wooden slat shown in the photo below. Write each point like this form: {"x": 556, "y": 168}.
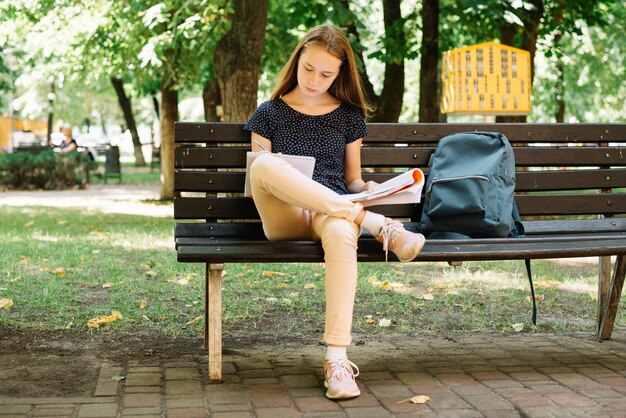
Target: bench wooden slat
{"x": 191, "y": 132}
{"x": 434, "y": 250}
{"x": 235, "y": 157}
{"x": 243, "y": 208}
{"x": 529, "y": 205}
{"x": 526, "y": 181}
{"x": 248, "y": 242}
{"x": 612, "y": 226}
{"x": 568, "y": 205}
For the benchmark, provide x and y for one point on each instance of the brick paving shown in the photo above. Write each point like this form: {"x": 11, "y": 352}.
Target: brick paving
{"x": 484, "y": 375}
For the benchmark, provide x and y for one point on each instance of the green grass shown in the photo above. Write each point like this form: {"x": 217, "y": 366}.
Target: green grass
{"x": 130, "y": 175}
{"x": 62, "y": 267}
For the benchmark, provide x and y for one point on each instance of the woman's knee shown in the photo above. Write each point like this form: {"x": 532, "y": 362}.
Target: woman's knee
{"x": 339, "y": 231}
{"x": 261, "y": 164}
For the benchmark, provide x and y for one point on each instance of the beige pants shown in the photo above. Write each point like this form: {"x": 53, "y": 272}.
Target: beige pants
{"x": 291, "y": 207}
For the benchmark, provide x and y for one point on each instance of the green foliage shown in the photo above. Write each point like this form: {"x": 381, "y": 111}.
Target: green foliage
{"x": 6, "y": 81}
{"x": 46, "y": 170}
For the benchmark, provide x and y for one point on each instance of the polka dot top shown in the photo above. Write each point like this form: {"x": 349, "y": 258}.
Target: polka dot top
{"x": 322, "y": 136}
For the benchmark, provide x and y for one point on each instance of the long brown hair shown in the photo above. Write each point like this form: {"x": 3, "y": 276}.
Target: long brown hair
{"x": 347, "y": 86}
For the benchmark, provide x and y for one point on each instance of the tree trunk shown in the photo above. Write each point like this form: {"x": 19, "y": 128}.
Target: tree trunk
{"x": 211, "y": 99}
{"x": 429, "y": 109}
{"x": 559, "y": 115}
{"x": 391, "y": 97}
{"x": 237, "y": 59}
{"x": 127, "y": 109}
{"x": 169, "y": 115}
{"x": 528, "y": 43}
{"x": 367, "y": 84}
{"x": 155, "y": 104}
{"x": 50, "y": 114}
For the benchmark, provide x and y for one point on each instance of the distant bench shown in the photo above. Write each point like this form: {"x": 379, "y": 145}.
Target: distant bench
{"x": 571, "y": 193}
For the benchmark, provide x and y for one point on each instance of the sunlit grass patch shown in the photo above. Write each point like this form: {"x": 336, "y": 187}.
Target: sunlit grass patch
{"x": 61, "y": 268}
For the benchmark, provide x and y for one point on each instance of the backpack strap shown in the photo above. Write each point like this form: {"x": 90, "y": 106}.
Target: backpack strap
{"x": 532, "y": 291}
{"x": 518, "y": 232}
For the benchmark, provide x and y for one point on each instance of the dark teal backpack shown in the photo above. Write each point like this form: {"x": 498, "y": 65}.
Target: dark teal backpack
{"x": 470, "y": 191}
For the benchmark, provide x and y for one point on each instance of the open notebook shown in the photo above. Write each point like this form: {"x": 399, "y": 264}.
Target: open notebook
{"x": 303, "y": 164}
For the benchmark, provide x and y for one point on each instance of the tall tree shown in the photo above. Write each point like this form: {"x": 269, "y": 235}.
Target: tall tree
{"x": 521, "y": 23}
{"x": 127, "y": 109}
{"x": 237, "y": 59}
{"x": 523, "y": 36}
{"x": 395, "y": 47}
{"x": 429, "y": 109}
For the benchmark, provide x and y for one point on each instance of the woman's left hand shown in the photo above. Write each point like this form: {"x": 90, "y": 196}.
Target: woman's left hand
{"x": 369, "y": 186}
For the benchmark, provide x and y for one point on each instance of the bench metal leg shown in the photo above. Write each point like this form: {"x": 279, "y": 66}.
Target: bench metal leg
{"x": 213, "y": 320}
{"x": 609, "y": 306}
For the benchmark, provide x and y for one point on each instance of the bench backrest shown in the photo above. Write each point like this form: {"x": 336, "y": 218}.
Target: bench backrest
{"x": 565, "y": 170}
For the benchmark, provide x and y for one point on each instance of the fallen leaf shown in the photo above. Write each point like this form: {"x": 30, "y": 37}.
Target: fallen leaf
{"x": 427, "y": 296}
{"x": 104, "y": 319}
{"x": 419, "y": 399}
{"x": 118, "y": 378}
{"x": 518, "y": 327}
{"x": 182, "y": 281}
{"x": 69, "y": 325}
{"x": 370, "y": 321}
{"x": 59, "y": 272}
{"x": 309, "y": 286}
{"x": 24, "y": 260}
{"x": 29, "y": 224}
{"x": 538, "y": 298}
{"x": 384, "y": 322}
{"x": 143, "y": 304}
{"x": 107, "y": 285}
{"x": 151, "y": 273}
{"x": 593, "y": 295}
{"x": 6, "y": 303}
{"x": 547, "y": 283}
{"x": 283, "y": 285}
{"x": 193, "y": 321}
{"x": 273, "y": 273}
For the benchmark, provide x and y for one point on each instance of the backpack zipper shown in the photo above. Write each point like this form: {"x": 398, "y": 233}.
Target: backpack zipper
{"x": 447, "y": 179}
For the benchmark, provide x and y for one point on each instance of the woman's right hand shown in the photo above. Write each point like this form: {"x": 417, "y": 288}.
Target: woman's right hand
{"x": 260, "y": 144}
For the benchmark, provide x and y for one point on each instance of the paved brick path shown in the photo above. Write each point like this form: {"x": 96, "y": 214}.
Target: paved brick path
{"x": 528, "y": 375}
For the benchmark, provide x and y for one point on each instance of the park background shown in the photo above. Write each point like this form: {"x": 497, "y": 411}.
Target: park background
{"x": 124, "y": 72}
{"x": 129, "y": 70}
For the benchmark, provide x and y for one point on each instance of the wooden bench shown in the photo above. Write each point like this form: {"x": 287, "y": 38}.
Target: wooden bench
{"x": 571, "y": 193}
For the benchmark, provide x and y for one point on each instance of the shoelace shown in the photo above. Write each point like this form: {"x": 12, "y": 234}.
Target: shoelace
{"x": 388, "y": 232}
{"x": 343, "y": 367}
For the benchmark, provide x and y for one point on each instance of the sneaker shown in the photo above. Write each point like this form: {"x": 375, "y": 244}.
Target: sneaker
{"x": 406, "y": 245}
{"x": 340, "y": 381}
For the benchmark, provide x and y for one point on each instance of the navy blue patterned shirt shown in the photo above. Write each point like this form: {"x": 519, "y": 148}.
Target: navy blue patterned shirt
{"x": 322, "y": 136}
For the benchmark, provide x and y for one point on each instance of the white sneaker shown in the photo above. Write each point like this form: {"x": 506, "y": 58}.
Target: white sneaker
{"x": 340, "y": 379}
{"x": 405, "y": 245}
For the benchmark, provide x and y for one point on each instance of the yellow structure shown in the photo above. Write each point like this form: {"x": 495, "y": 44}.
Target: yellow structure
{"x": 9, "y": 125}
{"x": 487, "y": 78}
